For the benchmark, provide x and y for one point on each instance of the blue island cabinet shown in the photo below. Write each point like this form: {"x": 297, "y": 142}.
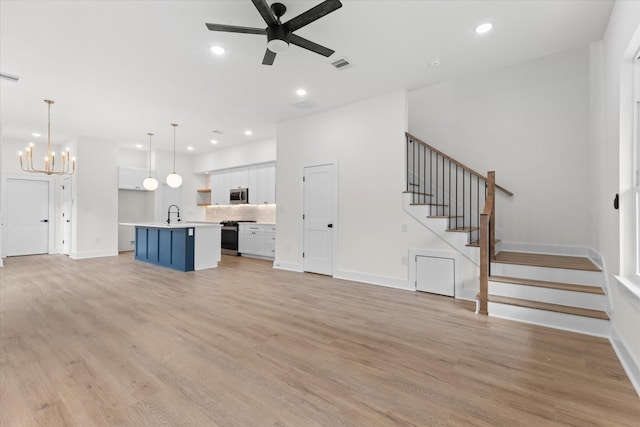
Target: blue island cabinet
{"x": 168, "y": 247}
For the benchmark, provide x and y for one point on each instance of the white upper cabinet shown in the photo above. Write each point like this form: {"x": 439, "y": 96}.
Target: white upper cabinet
{"x": 266, "y": 189}
{"x": 220, "y": 186}
{"x": 240, "y": 177}
{"x": 259, "y": 179}
{"x": 131, "y": 178}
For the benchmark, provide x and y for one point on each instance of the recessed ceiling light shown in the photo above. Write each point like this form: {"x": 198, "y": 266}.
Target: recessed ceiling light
{"x": 190, "y": 148}
{"x": 37, "y": 135}
{"x": 218, "y": 50}
{"x": 248, "y": 132}
{"x": 301, "y": 92}
{"x": 214, "y": 141}
{"x": 484, "y": 28}
{"x": 138, "y": 145}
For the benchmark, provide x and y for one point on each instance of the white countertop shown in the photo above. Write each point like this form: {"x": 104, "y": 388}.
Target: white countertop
{"x": 172, "y": 225}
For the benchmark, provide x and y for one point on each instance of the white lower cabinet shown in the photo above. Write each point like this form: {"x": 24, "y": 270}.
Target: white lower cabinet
{"x": 257, "y": 239}
{"x": 270, "y": 244}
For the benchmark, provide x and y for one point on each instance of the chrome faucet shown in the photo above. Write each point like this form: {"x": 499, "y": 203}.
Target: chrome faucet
{"x": 169, "y": 213}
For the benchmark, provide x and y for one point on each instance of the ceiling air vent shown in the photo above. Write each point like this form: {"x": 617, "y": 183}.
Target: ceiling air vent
{"x": 305, "y": 105}
{"x": 341, "y": 63}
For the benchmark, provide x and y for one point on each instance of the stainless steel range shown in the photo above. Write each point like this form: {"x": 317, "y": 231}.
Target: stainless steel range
{"x": 229, "y": 237}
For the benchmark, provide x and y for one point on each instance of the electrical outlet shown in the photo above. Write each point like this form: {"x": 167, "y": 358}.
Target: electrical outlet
{"x": 405, "y": 260}
{"x": 133, "y": 242}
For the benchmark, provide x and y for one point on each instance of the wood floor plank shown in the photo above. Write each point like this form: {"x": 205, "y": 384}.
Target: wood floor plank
{"x": 112, "y": 341}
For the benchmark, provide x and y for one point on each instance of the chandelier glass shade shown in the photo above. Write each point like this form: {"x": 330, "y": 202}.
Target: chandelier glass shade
{"x": 173, "y": 179}
{"x": 150, "y": 183}
{"x": 68, "y": 163}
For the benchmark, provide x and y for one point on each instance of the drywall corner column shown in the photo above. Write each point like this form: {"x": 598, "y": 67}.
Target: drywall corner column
{"x": 95, "y": 198}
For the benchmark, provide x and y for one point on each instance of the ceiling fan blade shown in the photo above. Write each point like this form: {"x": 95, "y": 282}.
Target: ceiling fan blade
{"x": 309, "y": 45}
{"x": 312, "y": 14}
{"x": 236, "y": 29}
{"x": 266, "y": 12}
{"x": 269, "y": 57}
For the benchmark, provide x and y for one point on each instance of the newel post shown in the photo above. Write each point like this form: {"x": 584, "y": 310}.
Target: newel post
{"x": 487, "y": 243}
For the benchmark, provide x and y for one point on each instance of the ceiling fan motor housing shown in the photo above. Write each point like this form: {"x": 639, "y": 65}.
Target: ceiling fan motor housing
{"x": 277, "y": 37}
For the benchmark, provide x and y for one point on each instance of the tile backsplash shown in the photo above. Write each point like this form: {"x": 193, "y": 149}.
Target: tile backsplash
{"x": 258, "y": 213}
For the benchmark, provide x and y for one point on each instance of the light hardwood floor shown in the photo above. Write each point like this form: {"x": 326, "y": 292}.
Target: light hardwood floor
{"x": 112, "y": 341}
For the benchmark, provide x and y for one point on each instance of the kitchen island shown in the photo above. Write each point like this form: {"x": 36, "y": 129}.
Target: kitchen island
{"x": 184, "y": 246}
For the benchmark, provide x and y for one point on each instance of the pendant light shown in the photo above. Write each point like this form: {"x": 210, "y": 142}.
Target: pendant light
{"x": 173, "y": 179}
{"x": 49, "y": 161}
{"x": 150, "y": 183}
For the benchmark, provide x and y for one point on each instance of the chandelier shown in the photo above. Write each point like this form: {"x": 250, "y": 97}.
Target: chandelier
{"x": 50, "y": 160}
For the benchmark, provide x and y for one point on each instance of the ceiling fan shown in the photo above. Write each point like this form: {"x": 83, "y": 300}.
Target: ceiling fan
{"x": 280, "y": 35}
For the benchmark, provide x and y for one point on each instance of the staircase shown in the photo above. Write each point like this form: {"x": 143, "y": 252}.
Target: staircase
{"x": 454, "y": 201}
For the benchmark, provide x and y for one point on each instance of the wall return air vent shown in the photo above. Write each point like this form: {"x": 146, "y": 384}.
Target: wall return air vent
{"x": 341, "y": 63}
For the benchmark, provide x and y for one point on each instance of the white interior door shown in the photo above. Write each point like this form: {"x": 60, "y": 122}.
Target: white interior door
{"x": 27, "y": 217}
{"x": 319, "y": 211}
{"x": 66, "y": 216}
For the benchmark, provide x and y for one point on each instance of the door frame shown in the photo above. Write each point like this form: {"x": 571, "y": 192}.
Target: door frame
{"x": 69, "y": 179}
{"x": 336, "y": 222}
{"x": 52, "y": 204}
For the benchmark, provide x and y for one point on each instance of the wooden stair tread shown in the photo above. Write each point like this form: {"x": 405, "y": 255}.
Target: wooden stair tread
{"x": 417, "y": 193}
{"x": 546, "y": 260}
{"x": 476, "y": 243}
{"x": 552, "y": 285}
{"x": 585, "y": 312}
{"x": 462, "y": 229}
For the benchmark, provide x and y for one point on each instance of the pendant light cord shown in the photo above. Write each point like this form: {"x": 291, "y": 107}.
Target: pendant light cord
{"x": 174, "y": 146}
{"x": 150, "y": 135}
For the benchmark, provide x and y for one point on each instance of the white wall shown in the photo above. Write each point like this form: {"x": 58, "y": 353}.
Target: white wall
{"x": 530, "y": 123}
{"x": 95, "y": 198}
{"x": 367, "y": 140}
{"x": 611, "y": 165}
{"x": 240, "y": 155}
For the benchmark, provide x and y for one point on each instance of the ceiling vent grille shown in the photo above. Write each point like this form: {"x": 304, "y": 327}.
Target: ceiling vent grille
{"x": 305, "y": 105}
{"x": 341, "y": 63}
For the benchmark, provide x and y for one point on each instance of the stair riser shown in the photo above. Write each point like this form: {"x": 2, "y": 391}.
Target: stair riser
{"x": 550, "y": 319}
{"x": 553, "y": 296}
{"x": 577, "y": 277}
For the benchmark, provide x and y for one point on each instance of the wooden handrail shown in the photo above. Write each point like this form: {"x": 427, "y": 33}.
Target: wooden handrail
{"x": 487, "y": 242}
{"x": 455, "y": 162}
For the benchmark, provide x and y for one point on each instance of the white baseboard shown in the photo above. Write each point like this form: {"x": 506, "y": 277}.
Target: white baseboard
{"x": 371, "y": 279}
{"x": 631, "y": 367}
{"x": 93, "y": 254}
{"x": 289, "y": 266}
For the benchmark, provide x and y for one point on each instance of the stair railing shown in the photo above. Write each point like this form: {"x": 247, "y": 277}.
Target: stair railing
{"x": 453, "y": 190}
{"x": 487, "y": 242}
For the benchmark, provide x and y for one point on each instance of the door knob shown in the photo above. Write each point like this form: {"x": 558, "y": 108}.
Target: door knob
{"x": 330, "y": 225}
{"x": 44, "y": 220}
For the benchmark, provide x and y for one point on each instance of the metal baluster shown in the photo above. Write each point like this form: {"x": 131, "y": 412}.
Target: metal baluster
{"x": 449, "y": 215}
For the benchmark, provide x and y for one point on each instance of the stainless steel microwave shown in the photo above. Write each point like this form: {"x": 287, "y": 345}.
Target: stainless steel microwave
{"x": 239, "y": 196}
